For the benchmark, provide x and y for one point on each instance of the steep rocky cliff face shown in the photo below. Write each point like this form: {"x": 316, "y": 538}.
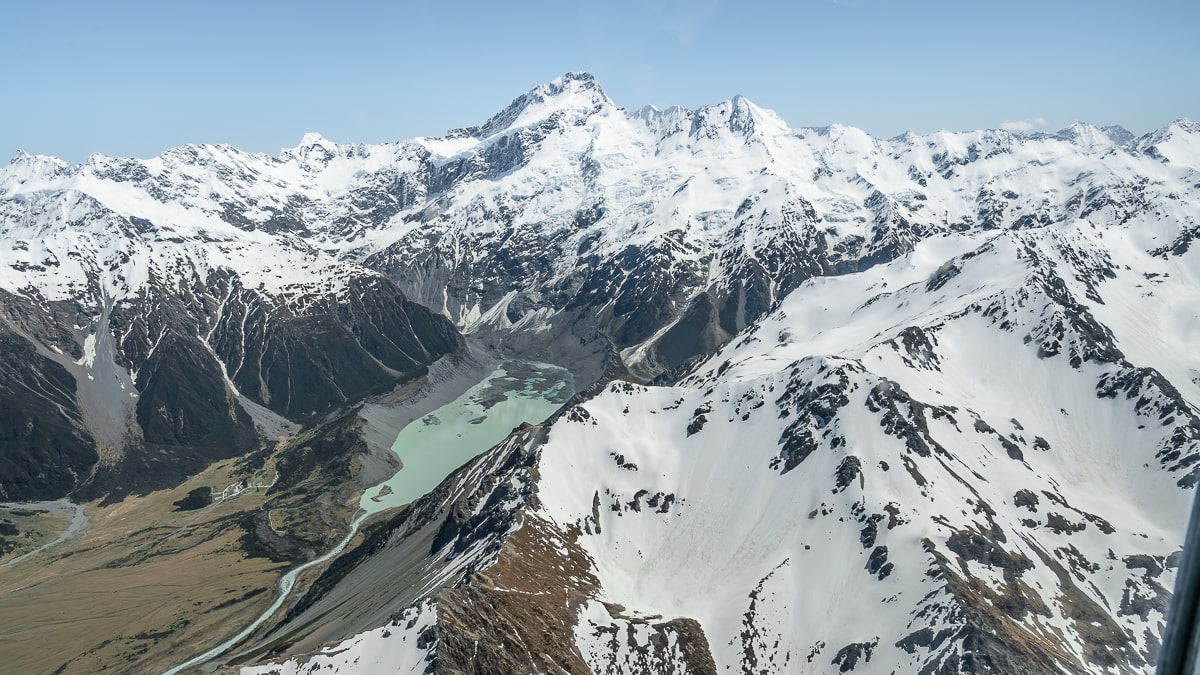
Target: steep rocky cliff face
{"x": 44, "y": 444}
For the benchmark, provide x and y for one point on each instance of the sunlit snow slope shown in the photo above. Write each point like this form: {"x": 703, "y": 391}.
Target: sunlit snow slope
{"x": 975, "y": 458}
{"x": 938, "y": 464}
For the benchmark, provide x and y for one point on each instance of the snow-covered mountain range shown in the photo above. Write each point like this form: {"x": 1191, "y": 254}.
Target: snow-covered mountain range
{"x": 566, "y": 209}
{"x": 970, "y": 459}
{"x": 926, "y": 404}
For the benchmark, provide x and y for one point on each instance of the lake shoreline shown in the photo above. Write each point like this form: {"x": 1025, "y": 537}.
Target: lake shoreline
{"x": 481, "y": 415}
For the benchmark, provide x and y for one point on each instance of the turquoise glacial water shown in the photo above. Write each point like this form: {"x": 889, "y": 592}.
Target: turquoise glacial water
{"x": 432, "y": 447}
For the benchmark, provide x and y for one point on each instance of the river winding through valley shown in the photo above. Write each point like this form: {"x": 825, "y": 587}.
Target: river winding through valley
{"x": 76, "y": 528}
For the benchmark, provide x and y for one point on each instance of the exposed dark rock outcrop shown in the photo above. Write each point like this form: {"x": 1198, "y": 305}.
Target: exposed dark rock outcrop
{"x": 45, "y": 447}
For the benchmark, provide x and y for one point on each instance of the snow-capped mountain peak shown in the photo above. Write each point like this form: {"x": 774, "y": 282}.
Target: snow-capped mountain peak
{"x": 573, "y": 81}
{"x": 1087, "y": 135}
{"x": 313, "y": 153}
{"x": 575, "y": 95}
{"x": 741, "y": 117}
{"x": 24, "y": 167}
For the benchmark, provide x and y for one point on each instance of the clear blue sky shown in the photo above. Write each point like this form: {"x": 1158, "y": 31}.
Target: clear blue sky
{"x": 134, "y": 78}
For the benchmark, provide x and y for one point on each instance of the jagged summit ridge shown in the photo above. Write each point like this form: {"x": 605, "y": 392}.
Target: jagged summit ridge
{"x": 574, "y": 93}
{"x": 313, "y": 152}
{"x": 580, "y": 89}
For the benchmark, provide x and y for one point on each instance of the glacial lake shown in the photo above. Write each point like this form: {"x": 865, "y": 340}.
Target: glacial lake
{"x": 432, "y": 447}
